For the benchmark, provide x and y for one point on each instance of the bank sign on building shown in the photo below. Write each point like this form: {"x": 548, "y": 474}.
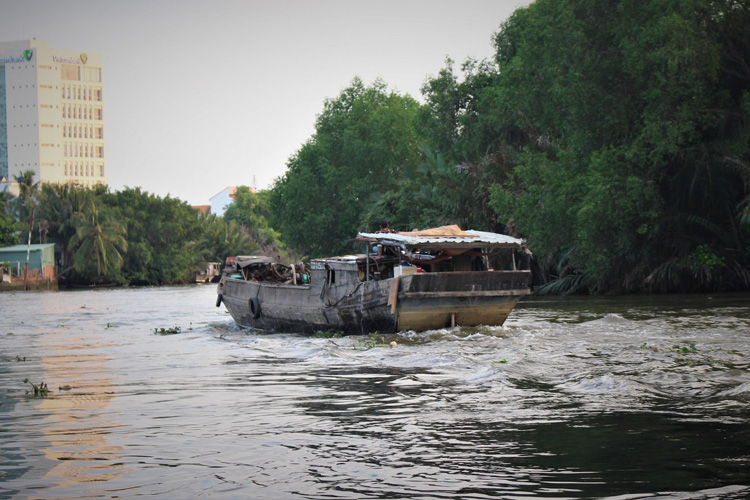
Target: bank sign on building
{"x": 51, "y": 113}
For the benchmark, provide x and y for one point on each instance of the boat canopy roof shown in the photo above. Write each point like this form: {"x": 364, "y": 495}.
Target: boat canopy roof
{"x": 243, "y": 261}
{"x": 442, "y": 237}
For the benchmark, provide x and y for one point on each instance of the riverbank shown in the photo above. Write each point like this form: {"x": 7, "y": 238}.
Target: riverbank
{"x": 18, "y": 285}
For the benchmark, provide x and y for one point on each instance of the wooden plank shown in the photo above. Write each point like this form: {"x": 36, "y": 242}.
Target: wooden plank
{"x": 393, "y": 295}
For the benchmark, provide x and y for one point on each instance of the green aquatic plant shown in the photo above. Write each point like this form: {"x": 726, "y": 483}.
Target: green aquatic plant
{"x": 501, "y": 361}
{"x": 687, "y": 349}
{"x": 330, "y": 334}
{"x": 19, "y": 358}
{"x": 372, "y": 341}
{"x": 37, "y": 390}
{"x": 684, "y": 349}
{"x": 168, "y": 331}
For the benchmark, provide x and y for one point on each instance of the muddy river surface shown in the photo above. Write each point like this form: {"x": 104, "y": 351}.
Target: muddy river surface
{"x": 617, "y": 397}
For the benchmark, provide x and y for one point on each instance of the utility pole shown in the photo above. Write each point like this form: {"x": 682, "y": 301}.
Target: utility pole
{"x": 28, "y": 253}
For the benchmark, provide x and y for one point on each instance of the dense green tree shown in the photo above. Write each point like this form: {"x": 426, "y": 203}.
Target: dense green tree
{"x": 251, "y": 212}
{"x": 99, "y": 239}
{"x": 366, "y": 142}
{"x": 619, "y": 183}
{"x": 159, "y": 234}
{"x": 62, "y": 205}
{"x": 23, "y": 205}
{"x": 7, "y": 230}
{"x": 220, "y": 238}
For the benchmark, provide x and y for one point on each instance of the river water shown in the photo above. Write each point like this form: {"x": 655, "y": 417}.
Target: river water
{"x": 613, "y": 397}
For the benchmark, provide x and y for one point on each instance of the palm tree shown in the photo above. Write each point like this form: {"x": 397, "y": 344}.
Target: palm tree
{"x": 59, "y": 204}
{"x": 101, "y": 237}
{"x": 24, "y": 204}
{"x": 221, "y": 238}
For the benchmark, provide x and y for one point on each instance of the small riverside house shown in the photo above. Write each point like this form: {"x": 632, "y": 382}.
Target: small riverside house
{"x": 41, "y": 261}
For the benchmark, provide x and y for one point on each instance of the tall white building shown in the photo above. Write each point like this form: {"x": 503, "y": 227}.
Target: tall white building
{"x": 51, "y": 113}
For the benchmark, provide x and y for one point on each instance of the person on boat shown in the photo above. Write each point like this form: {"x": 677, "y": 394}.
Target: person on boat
{"x": 385, "y": 227}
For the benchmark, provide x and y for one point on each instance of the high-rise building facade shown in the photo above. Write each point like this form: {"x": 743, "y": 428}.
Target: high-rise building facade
{"x": 51, "y": 113}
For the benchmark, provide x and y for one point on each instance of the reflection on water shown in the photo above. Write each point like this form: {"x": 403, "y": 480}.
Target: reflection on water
{"x": 78, "y": 423}
{"x": 627, "y": 397}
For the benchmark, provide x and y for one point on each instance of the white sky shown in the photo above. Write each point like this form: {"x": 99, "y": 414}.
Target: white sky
{"x": 204, "y": 94}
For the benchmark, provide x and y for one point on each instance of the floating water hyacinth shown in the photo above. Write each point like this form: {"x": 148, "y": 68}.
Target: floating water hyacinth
{"x": 38, "y": 390}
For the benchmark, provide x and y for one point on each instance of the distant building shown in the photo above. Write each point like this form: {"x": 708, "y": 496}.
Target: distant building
{"x": 204, "y": 209}
{"x": 220, "y": 201}
{"x": 51, "y": 113}
{"x": 11, "y": 186}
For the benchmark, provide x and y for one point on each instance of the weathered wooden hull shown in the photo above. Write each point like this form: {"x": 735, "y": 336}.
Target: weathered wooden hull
{"x": 417, "y": 302}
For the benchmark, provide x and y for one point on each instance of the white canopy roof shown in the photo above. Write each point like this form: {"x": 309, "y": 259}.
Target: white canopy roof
{"x": 446, "y": 236}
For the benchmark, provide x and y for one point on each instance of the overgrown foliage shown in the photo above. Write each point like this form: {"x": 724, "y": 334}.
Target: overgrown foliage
{"x": 131, "y": 236}
{"x": 249, "y": 214}
{"x": 365, "y": 143}
{"x": 613, "y": 136}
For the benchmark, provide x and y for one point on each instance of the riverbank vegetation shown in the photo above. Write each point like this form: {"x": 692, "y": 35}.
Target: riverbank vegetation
{"x": 613, "y": 136}
{"x": 127, "y": 237}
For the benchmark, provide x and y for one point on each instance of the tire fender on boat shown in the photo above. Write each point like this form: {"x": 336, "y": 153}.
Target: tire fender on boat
{"x": 218, "y": 300}
{"x": 254, "y": 307}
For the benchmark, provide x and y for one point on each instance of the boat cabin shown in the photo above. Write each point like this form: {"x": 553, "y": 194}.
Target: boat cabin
{"x": 389, "y": 255}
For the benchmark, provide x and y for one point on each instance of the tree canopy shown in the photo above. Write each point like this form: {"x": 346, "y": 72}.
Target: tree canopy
{"x": 613, "y": 136}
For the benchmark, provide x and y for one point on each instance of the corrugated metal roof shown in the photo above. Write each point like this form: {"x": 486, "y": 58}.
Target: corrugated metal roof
{"x": 24, "y": 246}
{"x": 470, "y": 238}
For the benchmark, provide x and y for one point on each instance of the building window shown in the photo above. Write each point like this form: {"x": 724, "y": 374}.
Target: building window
{"x": 101, "y": 170}
{"x": 92, "y": 74}
{"x": 70, "y": 72}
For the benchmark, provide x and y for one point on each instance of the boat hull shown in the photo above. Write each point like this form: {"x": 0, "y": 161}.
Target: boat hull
{"x": 416, "y": 302}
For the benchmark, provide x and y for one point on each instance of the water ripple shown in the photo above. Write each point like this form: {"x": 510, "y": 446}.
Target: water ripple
{"x": 618, "y": 398}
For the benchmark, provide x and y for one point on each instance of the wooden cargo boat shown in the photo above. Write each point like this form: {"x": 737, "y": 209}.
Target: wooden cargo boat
{"x": 418, "y": 280}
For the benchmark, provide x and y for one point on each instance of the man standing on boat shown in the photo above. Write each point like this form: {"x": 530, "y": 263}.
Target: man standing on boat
{"x": 385, "y": 227}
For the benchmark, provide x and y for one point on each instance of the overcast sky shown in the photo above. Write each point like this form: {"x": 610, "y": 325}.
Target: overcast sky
{"x": 200, "y": 94}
